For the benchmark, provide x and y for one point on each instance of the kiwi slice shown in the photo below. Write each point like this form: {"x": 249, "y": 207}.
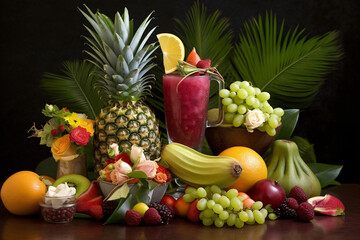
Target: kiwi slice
{"x": 79, "y": 182}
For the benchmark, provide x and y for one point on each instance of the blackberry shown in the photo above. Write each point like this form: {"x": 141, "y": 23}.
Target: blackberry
{"x": 165, "y": 212}
{"x": 109, "y": 207}
{"x": 284, "y": 211}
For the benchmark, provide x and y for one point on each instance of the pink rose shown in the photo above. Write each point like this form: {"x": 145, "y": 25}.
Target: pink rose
{"x": 122, "y": 167}
{"x": 80, "y": 136}
{"x": 117, "y": 177}
{"x": 148, "y": 167}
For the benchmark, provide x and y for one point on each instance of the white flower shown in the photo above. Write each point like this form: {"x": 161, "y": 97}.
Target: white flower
{"x": 253, "y": 119}
{"x": 137, "y": 154}
{"x": 114, "y": 150}
{"x": 122, "y": 167}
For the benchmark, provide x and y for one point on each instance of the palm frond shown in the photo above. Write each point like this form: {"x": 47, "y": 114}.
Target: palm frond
{"x": 75, "y": 89}
{"x": 290, "y": 66}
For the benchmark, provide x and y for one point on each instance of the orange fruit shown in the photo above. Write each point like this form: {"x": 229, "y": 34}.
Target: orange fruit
{"x": 181, "y": 207}
{"x": 22, "y": 192}
{"x": 253, "y": 167}
{"x": 244, "y": 195}
{"x": 247, "y": 203}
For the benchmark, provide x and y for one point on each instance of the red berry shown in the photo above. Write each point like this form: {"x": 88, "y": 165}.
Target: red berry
{"x": 54, "y": 132}
{"x": 193, "y": 213}
{"x": 168, "y": 200}
{"x": 305, "y": 211}
{"x": 298, "y": 193}
{"x": 61, "y": 128}
{"x": 293, "y": 203}
{"x": 152, "y": 217}
{"x": 133, "y": 218}
{"x": 205, "y": 64}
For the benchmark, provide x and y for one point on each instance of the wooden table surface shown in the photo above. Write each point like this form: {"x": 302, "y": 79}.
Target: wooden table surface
{"x": 321, "y": 227}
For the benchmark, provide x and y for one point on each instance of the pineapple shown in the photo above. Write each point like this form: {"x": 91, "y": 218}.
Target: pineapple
{"x": 123, "y": 59}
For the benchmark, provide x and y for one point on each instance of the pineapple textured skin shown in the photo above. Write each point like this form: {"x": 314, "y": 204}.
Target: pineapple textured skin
{"x": 123, "y": 59}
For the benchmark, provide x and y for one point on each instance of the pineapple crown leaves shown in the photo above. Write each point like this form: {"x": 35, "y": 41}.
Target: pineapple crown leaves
{"x": 123, "y": 58}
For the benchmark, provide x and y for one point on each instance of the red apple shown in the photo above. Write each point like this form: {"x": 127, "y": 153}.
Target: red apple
{"x": 268, "y": 191}
{"x": 168, "y": 200}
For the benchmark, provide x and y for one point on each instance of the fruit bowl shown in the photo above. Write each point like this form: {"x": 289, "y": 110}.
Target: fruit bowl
{"x": 156, "y": 194}
{"x": 223, "y": 137}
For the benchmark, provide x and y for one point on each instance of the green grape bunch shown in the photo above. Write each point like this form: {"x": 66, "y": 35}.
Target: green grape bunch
{"x": 222, "y": 208}
{"x": 247, "y": 106}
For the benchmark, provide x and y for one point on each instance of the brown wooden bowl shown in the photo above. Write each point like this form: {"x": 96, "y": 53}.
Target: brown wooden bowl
{"x": 222, "y": 137}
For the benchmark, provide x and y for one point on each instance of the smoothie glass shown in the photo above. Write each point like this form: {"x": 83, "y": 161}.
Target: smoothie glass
{"x": 186, "y": 105}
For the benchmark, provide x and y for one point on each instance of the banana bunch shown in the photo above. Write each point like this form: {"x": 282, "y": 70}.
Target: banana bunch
{"x": 198, "y": 169}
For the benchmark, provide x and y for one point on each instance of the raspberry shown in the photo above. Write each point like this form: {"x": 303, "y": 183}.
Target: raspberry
{"x": 152, "y": 217}
{"x": 133, "y": 218}
{"x": 298, "y": 193}
{"x": 293, "y": 203}
{"x": 205, "y": 64}
{"x": 305, "y": 211}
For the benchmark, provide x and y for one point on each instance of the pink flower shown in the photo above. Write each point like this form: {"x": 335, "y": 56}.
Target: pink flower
{"x": 122, "y": 167}
{"x": 80, "y": 136}
{"x": 117, "y": 177}
{"x": 148, "y": 167}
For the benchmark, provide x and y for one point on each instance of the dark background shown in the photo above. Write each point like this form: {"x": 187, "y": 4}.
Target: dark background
{"x": 38, "y": 36}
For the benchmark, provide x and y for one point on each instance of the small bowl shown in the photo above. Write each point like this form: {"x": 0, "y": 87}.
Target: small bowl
{"x": 156, "y": 195}
{"x": 58, "y": 209}
{"x": 223, "y": 137}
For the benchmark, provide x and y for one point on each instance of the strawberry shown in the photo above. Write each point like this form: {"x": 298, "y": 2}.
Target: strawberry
{"x": 193, "y": 213}
{"x": 133, "y": 218}
{"x": 305, "y": 211}
{"x": 298, "y": 193}
{"x": 96, "y": 212}
{"x": 204, "y": 64}
{"x": 152, "y": 217}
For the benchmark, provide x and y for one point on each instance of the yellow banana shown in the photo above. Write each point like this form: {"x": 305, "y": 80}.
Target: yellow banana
{"x": 198, "y": 169}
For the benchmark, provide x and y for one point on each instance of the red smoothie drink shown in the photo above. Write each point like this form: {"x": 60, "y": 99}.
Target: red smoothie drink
{"x": 186, "y": 106}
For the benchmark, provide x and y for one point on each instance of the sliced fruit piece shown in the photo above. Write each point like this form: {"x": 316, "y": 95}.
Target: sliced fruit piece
{"x": 327, "y": 205}
{"x": 92, "y": 192}
{"x": 77, "y": 181}
{"x": 193, "y": 58}
{"x": 85, "y": 206}
{"x": 96, "y": 212}
{"x": 173, "y": 50}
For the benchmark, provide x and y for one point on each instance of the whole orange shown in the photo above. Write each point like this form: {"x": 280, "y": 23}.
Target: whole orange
{"x": 181, "y": 207}
{"x": 22, "y": 192}
{"x": 253, "y": 167}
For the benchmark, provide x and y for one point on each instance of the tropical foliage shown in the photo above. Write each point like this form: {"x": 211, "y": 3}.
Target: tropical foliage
{"x": 75, "y": 89}
{"x": 288, "y": 64}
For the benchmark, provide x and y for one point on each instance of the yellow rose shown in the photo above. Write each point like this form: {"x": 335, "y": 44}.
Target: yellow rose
{"x": 62, "y": 150}
{"x": 88, "y": 125}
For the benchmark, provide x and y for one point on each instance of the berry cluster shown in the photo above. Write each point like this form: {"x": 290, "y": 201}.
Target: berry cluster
{"x": 156, "y": 214}
{"x": 109, "y": 207}
{"x": 296, "y": 206}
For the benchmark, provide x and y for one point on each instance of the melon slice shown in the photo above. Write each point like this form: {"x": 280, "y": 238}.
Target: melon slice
{"x": 327, "y": 205}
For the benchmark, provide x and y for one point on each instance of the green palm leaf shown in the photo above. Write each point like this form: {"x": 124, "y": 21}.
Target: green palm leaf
{"x": 290, "y": 66}
{"x": 75, "y": 89}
